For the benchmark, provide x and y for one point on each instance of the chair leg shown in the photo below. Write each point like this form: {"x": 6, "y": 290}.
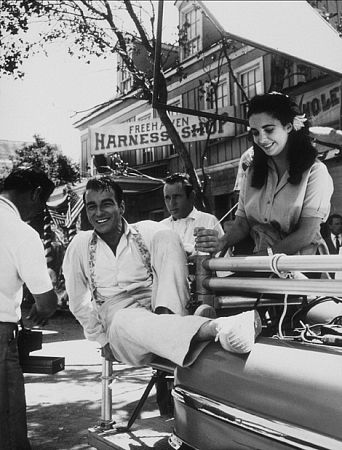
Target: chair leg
{"x": 106, "y": 421}
{"x": 106, "y": 404}
{"x": 163, "y": 394}
{"x": 142, "y": 400}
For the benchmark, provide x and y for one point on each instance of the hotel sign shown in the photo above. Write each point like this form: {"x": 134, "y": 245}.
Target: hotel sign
{"x": 152, "y": 133}
{"x": 322, "y": 105}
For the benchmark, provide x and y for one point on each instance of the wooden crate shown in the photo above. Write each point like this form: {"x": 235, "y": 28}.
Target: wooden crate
{"x": 43, "y": 364}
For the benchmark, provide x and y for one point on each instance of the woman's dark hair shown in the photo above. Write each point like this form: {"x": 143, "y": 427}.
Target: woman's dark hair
{"x": 301, "y": 152}
{"x": 105, "y": 183}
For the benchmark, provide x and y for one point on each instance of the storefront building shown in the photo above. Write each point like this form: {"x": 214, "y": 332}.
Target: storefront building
{"x": 206, "y": 80}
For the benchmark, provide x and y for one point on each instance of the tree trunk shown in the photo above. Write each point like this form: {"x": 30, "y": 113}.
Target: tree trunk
{"x": 201, "y": 202}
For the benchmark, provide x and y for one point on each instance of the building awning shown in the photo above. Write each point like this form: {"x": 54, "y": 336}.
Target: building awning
{"x": 290, "y": 28}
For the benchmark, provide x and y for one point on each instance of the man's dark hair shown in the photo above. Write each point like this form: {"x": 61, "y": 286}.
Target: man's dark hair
{"x": 181, "y": 178}
{"x": 26, "y": 179}
{"x": 332, "y": 217}
{"x": 105, "y": 183}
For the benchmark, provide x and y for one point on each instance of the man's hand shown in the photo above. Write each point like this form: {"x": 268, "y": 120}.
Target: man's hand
{"x": 107, "y": 353}
{"x": 207, "y": 240}
{"x": 44, "y": 307}
{"x": 38, "y": 316}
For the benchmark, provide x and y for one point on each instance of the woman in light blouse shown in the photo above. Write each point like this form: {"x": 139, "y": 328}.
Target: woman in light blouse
{"x": 285, "y": 192}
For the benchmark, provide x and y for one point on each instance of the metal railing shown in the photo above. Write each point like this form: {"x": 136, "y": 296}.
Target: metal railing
{"x": 208, "y": 286}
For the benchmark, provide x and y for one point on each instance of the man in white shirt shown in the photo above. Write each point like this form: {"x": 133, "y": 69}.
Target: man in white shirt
{"x": 179, "y": 197}
{"x": 123, "y": 279}
{"x": 22, "y": 261}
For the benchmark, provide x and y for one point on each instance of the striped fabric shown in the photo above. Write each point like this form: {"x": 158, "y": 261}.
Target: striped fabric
{"x": 47, "y": 238}
{"x": 75, "y": 206}
{"x": 57, "y": 218}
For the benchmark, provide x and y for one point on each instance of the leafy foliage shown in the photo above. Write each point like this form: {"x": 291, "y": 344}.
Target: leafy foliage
{"x": 334, "y": 18}
{"x": 90, "y": 27}
{"x": 49, "y": 158}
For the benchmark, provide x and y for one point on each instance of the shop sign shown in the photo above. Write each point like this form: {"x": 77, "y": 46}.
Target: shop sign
{"x": 152, "y": 133}
{"x": 322, "y": 105}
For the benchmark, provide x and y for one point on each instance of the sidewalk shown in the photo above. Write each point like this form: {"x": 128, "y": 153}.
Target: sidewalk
{"x": 61, "y": 407}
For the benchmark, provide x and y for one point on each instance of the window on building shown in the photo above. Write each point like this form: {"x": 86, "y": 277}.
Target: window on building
{"x": 191, "y": 32}
{"x": 126, "y": 80}
{"x": 216, "y": 91}
{"x": 251, "y": 80}
{"x": 298, "y": 73}
{"x": 148, "y": 155}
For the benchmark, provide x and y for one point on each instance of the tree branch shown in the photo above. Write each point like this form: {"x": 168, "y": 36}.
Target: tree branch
{"x": 145, "y": 41}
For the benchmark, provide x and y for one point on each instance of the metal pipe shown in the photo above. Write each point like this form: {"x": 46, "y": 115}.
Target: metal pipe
{"x": 274, "y": 286}
{"x": 106, "y": 404}
{"x": 202, "y": 294}
{"x": 285, "y": 263}
{"x": 235, "y": 301}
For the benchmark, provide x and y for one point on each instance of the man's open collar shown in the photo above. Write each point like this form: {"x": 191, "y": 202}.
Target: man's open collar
{"x": 128, "y": 228}
{"x": 192, "y": 215}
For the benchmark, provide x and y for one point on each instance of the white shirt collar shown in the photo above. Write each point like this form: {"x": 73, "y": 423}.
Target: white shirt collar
{"x": 9, "y": 205}
{"x": 192, "y": 215}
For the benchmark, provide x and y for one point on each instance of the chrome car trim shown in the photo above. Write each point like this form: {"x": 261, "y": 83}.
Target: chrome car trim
{"x": 292, "y": 435}
{"x": 175, "y": 442}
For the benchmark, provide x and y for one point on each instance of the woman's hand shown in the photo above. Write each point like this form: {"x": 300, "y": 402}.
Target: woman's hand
{"x": 207, "y": 240}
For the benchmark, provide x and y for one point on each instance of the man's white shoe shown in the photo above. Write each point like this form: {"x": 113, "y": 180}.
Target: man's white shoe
{"x": 237, "y": 333}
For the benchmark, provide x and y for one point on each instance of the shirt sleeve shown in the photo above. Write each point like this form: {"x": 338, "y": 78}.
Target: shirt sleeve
{"x": 77, "y": 287}
{"x": 31, "y": 264}
{"x": 318, "y": 193}
{"x": 242, "y": 194}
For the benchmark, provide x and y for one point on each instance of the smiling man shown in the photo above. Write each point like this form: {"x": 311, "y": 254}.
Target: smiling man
{"x": 122, "y": 279}
{"x": 179, "y": 197}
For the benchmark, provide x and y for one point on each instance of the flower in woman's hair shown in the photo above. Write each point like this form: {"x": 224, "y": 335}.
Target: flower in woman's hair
{"x": 278, "y": 93}
{"x": 298, "y": 122}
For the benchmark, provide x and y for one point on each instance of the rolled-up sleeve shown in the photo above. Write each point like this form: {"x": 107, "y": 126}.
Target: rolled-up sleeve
{"x": 31, "y": 264}
{"x": 242, "y": 194}
{"x": 318, "y": 193}
{"x": 77, "y": 287}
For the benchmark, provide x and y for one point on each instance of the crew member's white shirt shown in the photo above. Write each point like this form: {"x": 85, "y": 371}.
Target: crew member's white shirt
{"x": 185, "y": 227}
{"x": 22, "y": 261}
